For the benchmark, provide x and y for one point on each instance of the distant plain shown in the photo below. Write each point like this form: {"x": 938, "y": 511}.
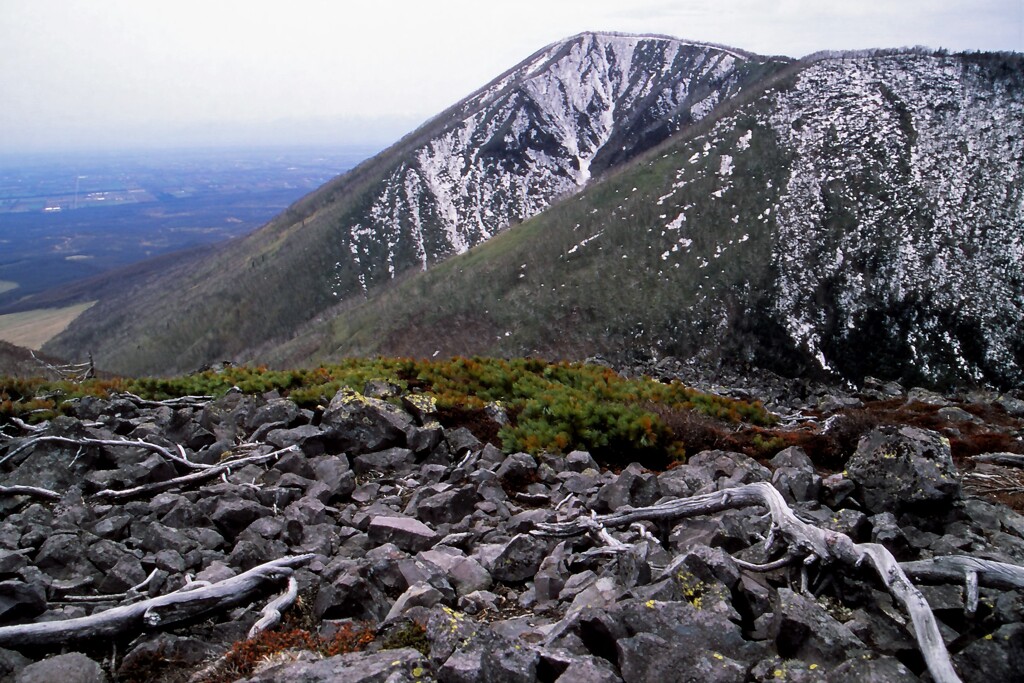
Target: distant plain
{"x": 66, "y": 218}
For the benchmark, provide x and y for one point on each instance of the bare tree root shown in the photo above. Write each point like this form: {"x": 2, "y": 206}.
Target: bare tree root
{"x": 156, "y": 613}
{"x": 810, "y": 542}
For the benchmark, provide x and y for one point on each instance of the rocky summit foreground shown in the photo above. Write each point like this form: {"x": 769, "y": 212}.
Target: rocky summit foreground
{"x": 246, "y": 538}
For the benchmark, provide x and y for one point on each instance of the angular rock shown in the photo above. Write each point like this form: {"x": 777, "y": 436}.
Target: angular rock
{"x": 335, "y": 473}
{"x": 580, "y": 461}
{"x": 73, "y": 667}
{"x": 875, "y": 669}
{"x": 998, "y": 656}
{"x": 20, "y": 600}
{"x": 126, "y": 573}
{"x": 634, "y": 486}
{"x": 448, "y": 506}
{"x": 295, "y": 463}
{"x": 233, "y": 515}
{"x": 517, "y": 470}
{"x": 411, "y": 535}
{"x": 491, "y": 659}
{"x": 417, "y": 595}
{"x": 388, "y": 460}
{"x": 588, "y": 670}
{"x": 728, "y": 469}
{"x": 465, "y": 573}
{"x": 361, "y": 424}
{"x": 64, "y": 556}
{"x": 899, "y": 469}
{"x": 518, "y": 559}
{"x": 351, "y": 596}
{"x": 649, "y": 657}
{"x": 311, "y": 439}
{"x": 802, "y": 629}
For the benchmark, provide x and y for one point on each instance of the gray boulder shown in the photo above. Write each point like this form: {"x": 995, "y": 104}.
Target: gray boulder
{"x": 361, "y": 424}
{"x": 899, "y": 469}
{"x": 73, "y": 667}
{"x": 802, "y": 629}
{"x": 20, "y": 600}
{"x": 388, "y": 460}
{"x": 465, "y": 573}
{"x": 447, "y": 506}
{"x": 233, "y": 515}
{"x": 634, "y": 486}
{"x": 517, "y": 470}
{"x": 411, "y": 535}
{"x": 518, "y": 559}
{"x": 998, "y": 656}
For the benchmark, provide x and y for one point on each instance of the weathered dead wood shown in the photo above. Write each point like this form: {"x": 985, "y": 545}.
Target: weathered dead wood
{"x": 1005, "y": 459}
{"x": 32, "y": 491}
{"x": 1003, "y": 480}
{"x": 956, "y": 568}
{"x": 271, "y": 614}
{"x": 811, "y": 542}
{"x": 130, "y": 594}
{"x": 179, "y": 402}
{"x": 212, "y": 472}
{"x": 155, "y": 613}
{"x": 107, "y": 443}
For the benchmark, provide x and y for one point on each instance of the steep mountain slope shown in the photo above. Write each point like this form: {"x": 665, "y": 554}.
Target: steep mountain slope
{"x": 536, "y": 134}
{"x": 864, "y": 216}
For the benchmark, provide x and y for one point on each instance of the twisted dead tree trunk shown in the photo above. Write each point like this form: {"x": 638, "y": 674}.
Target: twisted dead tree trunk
{"x": 157, "y": 613}
{"x": 802, "y": 540}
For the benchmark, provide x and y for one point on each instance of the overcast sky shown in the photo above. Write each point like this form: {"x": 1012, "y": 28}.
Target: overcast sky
{"x": 115, "y": 73}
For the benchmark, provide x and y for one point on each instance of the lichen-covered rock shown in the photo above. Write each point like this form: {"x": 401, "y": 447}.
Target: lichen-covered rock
{"x": 361, "y": 424}
{"x": 802, "y": 629}
{"x": 904, "y": 469}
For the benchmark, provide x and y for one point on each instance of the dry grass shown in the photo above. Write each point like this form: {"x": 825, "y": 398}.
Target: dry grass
{"x": 32, "y": 329}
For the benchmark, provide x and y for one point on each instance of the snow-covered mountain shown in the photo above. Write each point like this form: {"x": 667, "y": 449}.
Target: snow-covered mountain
{"x": 536, "y": 134}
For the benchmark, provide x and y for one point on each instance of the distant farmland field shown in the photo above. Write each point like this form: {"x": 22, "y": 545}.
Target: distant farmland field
{"x": 32, "y": 329}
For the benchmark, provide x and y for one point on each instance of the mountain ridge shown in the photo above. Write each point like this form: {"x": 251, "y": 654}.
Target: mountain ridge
{"x": 843, "y": 185}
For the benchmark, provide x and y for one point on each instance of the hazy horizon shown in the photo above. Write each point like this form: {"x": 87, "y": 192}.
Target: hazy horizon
{"x": 80, "y": 75}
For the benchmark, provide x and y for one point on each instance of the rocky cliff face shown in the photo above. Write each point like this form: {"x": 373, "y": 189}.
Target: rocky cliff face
{"x": 897, "y": 228}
